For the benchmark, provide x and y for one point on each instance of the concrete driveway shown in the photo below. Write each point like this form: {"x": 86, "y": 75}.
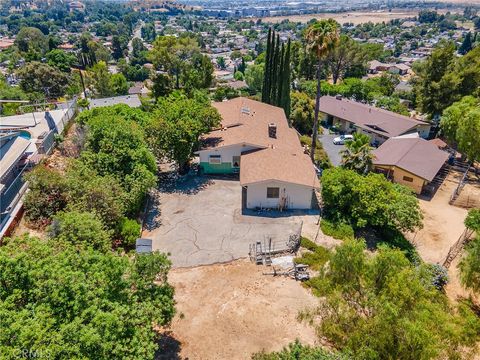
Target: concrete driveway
{"x": 199, "y": 221}
{"x": 332, "y": 150}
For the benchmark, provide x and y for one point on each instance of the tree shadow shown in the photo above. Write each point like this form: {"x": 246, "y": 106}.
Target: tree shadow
{"x": 375, "y": 237}
{"x": 190, "y": 184}
{"x": 168, "y": 348}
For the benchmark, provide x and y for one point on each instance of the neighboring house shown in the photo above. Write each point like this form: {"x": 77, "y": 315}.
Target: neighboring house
{"x": 410, "y": 161}
{"x": 256, "y": 141}
{"x": 13, "y": 155}
{"x": 400, "y": 69}
{"x": 351, "y": 116}
{"x": 376, "y": 66}
{"x": 24, "y": 141}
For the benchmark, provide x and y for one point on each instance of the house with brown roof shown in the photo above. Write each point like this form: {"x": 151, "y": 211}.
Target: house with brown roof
{"x": 256, "y": 141}
{"x": 351, "y": 116}
{"x": 410, "y": 161}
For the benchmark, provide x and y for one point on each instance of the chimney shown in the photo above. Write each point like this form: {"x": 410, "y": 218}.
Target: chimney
{"x": 272, "y": 130}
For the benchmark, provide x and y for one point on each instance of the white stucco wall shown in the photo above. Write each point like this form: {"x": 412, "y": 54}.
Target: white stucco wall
{"x": 227, "y": 152}
{"x": 298, "y": 196}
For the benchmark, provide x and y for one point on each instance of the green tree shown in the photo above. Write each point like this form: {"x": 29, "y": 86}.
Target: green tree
{"x": 239, "y": 76}
{"x": 435, "y": 90}
{"x": 119, "y": 46}
{"x": 347, "y": 55}
{"x": 321, "y": 37}
{"x": 80, "y": 229}
{"x": 466, "y": 44}
{"x": 461, "y": 124}
{"x": 384, "y": 306}
{"x": 369, "y": 200}
{"x": 357, "y": 154}
{"x": 71, "y": 302}
{"x": 118, "y": 84}
{"x": 61, "y": 60}
{"x": 470, "y": 263}
{"x": 254, "y": 78}
{"x": 177, "y": 126}
{"x": 46, "y": 197}
{"x": 173, "y": 55}
{"x": 101, "y": 79}
{"x": 44, "y": 79}
{"x": 31, "y": 41}
{"x": 301, "y": 116}
{"x": 221, "y": 63}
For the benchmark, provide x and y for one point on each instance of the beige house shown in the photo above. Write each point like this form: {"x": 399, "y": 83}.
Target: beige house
{"x": 379, "y": 124}
{"x": 413, "y": 162}
{"x": 256, "y": 141}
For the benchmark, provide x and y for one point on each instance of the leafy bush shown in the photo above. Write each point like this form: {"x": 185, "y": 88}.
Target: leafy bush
{"x": 129, "y": 231}
{"x": 308, "y": 244}
{"x": 69, "y": 302}
{"x": 316, "y": 258}
{"x": 80, "y": 228}
{"x": 297, "y": 351}
{"x": 46, "y": 197}
{"x": 369, "y": 201}
{"x": 340, "y": 230}
{"x": 371, "y": 304}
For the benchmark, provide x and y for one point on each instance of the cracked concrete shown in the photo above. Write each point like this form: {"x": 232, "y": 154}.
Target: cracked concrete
{"x": 207, "y": 226}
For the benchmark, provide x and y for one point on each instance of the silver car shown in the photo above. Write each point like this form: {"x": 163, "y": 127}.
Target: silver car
{"x": 340, "y": 140}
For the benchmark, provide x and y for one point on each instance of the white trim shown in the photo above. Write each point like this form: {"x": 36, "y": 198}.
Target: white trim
{"x": 229, "y": 146}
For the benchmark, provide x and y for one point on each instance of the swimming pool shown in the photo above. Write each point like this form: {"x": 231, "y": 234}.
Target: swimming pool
{"x": 25, "y": 134}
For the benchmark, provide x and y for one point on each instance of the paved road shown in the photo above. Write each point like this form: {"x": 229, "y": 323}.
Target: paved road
{"x": 332, "y": 150}
{"x": 137, "y": 33}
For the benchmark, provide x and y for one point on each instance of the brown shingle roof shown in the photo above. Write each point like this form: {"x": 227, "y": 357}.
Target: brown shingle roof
{"x": 415, "y": 155}
{"x": 277, "y": 164}
{"x": 368, "y": 117}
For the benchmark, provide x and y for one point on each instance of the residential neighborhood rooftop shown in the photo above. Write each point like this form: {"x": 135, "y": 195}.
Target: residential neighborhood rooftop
{"x": 415, "y": 155}
{"x": 368, "y": 117}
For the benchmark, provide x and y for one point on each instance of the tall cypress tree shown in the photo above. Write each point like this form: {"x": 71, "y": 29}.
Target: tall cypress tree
{"x": 466, "y": 44}
{"x": 278, "y": 99}
{"x": 274, "y": 71}
{"x": 266, "y": 72}
{"x": 285, "y": 103}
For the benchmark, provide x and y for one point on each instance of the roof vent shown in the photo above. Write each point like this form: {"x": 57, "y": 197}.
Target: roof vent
{"x": 272, "y": 130}
{"x": 338, "y": 97}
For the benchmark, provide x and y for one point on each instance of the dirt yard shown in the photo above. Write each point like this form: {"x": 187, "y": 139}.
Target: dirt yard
{"x": 442, "y": 223}
{"x": 229, "y": 311}
{"x": 355, "y": 17}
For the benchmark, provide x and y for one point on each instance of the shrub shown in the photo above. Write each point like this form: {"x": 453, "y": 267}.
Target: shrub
{"x": 46, "y": 197}
{"x": 316, "y": 257}
{"x": 339, "y": 230}
{"x": 81, "y": 228}
{"x": 129, "y": 231}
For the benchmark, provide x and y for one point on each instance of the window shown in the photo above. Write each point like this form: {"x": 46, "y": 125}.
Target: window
{"x": 273, "y": 193}
{"x": 215, "y": 159}
{"x": 408, "y": 178}
{"x": 236, "y": 161}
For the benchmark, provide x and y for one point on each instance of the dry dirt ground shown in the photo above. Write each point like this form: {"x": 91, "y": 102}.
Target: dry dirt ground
{"x": 355, "y": 17}
{"x": 230, "y": 311}
{"x": 442, "y": 223}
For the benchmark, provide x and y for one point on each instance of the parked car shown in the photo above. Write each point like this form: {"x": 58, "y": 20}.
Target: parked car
{"x": 340, "y": 140}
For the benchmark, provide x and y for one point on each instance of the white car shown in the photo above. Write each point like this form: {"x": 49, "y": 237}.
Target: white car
{"x": 340, "y": 140}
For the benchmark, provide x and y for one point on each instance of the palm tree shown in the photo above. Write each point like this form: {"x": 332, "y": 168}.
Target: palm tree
{"x": 357, "y": 154}
{"x": 321, "y": 37}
